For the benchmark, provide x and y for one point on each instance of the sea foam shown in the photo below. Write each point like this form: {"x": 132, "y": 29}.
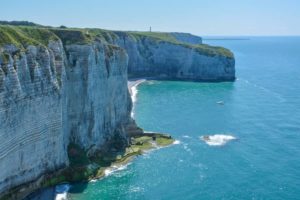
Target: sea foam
{"x": 115, "y": 168}
{"x": 134, "y": 92}
{"x": 61, "y": 191}
{"x": 177, "y": 142}
{"x": 217, "y": 140}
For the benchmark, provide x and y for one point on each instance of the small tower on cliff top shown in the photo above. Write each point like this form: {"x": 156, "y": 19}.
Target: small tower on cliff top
{"x": 150, "y": 29}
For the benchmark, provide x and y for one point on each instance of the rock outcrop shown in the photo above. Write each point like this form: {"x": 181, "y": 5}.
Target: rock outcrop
{"x": 62, "y": 86}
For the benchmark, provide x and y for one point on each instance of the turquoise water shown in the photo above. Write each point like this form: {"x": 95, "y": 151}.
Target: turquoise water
{"x": 261, "y": 109}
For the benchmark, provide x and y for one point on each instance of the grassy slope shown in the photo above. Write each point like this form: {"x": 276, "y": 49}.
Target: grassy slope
{"x": 23, "y": 36}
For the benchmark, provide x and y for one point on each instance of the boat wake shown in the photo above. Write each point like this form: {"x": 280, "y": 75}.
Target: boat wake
{"x": 275, "y": 94}
{"x": 217, "y": 140}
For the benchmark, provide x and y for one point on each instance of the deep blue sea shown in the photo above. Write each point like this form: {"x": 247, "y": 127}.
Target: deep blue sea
{"x": 259, "y": 112}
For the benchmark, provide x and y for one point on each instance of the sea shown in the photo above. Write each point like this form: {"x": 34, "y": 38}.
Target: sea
{"x": 234, "y": 140}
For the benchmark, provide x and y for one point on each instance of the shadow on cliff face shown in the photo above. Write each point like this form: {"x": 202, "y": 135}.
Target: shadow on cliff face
{"x": 42, "y": 194}
{"x": 81, "y": 161}
{"x": 117, "y": 143}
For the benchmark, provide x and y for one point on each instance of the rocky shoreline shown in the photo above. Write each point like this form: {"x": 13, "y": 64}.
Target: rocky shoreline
{"x": 94, "y": 168}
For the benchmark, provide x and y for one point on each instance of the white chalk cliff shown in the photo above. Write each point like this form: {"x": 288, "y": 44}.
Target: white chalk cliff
{"x": 59, "y": 86}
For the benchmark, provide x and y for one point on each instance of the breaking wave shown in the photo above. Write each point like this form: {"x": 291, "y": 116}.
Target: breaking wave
{"x": 217, "y": 140}
{"x": 134, "y": 92}
{"x": 176, "y": 142}
{"x": 61, "y": 191}
{"x": 115, "y": 168}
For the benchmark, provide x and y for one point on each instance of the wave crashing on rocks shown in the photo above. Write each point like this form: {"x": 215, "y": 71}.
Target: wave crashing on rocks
{"x": 217, "y": 139}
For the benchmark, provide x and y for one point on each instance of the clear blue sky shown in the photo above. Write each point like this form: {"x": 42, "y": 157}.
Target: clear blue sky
{"x": 201, "y": 17}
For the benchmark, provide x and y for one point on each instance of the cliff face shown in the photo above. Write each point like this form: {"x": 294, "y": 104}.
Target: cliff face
{"x": 149, "y": 57}
{"x": 30, "y": 114}
{"x": 97, "y": 100}
{"x": 62, "y": 86}
{"x": 55, "y": 95}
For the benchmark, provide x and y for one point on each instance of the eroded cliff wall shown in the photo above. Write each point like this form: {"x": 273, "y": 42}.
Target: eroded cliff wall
{"x": 54, "y": 95}
{"x": 150, "y": 57}
{"x": 31, "y": 89}
{"x": 97, "y": 100}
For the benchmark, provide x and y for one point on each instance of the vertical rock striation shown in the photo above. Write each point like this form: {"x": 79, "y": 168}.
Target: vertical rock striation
{"x": 97, "y": 99}
{"x": 51, "y": 96}
{"x": 31, "y": 136}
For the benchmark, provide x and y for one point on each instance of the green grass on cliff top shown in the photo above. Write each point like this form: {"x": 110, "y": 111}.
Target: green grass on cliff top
{"x": 201, "y": 48}
{"x": 161, "y": 36}
{"x": 22, "y": 36}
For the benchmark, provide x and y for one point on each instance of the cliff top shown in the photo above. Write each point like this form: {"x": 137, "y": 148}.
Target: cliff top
{"x": 170, "y": 37}
{"x": 22, "y": 34}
